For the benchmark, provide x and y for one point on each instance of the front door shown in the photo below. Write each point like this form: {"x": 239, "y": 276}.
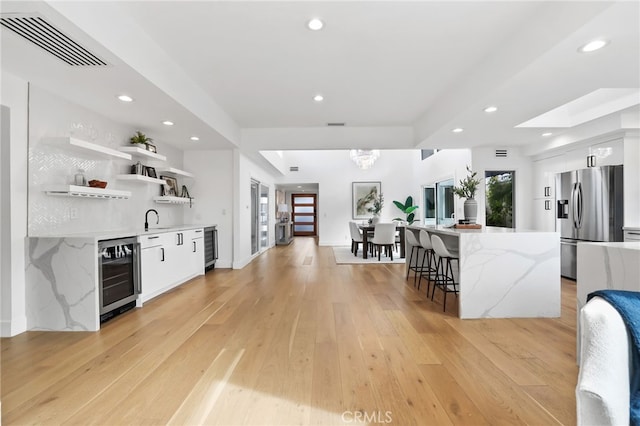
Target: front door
{"x": 304, "y": 214}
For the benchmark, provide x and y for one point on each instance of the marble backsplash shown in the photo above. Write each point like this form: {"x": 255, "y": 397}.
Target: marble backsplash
{"x": 52, "y": 116}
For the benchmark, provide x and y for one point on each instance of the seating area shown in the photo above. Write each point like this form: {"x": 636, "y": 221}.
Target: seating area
{"x": 434, "y": 262}
{"x": 383, "y": 239}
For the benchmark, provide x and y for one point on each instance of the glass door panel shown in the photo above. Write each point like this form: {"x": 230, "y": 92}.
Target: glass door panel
{"x": 304, "y": 214}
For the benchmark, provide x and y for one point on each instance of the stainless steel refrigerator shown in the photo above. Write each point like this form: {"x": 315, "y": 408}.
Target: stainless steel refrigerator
{"x": 589, "y": 206}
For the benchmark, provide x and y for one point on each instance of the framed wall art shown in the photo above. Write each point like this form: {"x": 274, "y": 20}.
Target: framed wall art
{"x": 171, "y": 187}
{"x": 363, "y": 195}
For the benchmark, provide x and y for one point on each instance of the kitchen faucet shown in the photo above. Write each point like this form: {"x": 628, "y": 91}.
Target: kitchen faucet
{"x": 146, "y": 220}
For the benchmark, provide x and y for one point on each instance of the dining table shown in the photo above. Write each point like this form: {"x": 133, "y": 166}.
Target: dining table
{"x": 368, "y": 229}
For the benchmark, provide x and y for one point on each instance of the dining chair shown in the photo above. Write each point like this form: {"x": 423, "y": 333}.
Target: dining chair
{"x": 356, "y": 238}
{"x": 384, "y": 236}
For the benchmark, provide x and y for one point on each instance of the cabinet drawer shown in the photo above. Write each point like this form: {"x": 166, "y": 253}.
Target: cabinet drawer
{"x": 632, "y": 236}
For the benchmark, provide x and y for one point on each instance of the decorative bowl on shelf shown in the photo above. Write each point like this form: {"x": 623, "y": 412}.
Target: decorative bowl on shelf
{"x": 97, "y": 183}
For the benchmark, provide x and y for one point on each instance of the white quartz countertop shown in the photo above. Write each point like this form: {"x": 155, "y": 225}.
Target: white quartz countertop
{"x": 632, "y": 245}
{"x": 484, "y": 230}
{"x": 133, "y": 232}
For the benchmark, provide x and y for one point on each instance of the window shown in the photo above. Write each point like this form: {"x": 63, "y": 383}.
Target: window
{"x": 500, "y": 196}
{"x": 438, "y": 204}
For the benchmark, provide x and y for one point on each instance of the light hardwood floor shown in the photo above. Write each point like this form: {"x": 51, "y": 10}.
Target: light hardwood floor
{"x": 294, "y": 338}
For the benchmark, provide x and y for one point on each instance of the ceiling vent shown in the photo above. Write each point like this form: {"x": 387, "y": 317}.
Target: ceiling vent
{"x": 335, "y": 124}
{"x": 293, "y": 168}
{"x": 40, "y": 32}
{"x": 501, "y": 153}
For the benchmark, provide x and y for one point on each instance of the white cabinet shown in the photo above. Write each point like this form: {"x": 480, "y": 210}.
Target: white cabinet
{"x": 155, "y": 270}
{"x": 544, "y": 214}
{"x": 195, "y": 238}
{"x": 169, "y": 259}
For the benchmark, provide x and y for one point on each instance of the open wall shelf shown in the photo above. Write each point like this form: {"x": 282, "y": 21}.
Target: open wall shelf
{"x": 88, "y": 149}
{"x": 172, "y": 171}
{"x": 141, "y": 179}
{"x": 172, "y": 200}
{"x": 87, "y": 192}
{"x": 135, "y": 151}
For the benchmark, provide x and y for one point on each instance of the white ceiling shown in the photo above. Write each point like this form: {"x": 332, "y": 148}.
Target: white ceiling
{"x": 399, "y": 74}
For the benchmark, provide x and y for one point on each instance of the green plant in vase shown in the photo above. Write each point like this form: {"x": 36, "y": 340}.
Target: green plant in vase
{"x": 140, "y": 138}
{"x": 408, "y": 209}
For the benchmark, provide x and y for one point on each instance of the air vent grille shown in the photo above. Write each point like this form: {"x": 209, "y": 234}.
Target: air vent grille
{"x": 293, "y": 168}
{"x": 501, "y": 153}
{"x": 38, "y": 31}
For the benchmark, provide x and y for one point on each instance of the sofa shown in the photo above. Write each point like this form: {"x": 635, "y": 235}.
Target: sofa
{"x": 602, "y": 392}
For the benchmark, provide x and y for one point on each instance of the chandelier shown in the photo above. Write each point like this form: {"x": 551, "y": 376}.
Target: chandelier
{"x": 364, "y": 158}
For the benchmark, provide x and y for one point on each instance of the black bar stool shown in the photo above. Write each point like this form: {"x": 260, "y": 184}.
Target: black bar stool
{"x": 415, "y": 246}
{"x": 445, "y": 279}
{"x": 429, "y": 271}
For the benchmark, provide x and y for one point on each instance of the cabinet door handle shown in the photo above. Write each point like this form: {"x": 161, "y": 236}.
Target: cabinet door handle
{"x": 198, "y": 231}
{"x": 633, "y": 233}
{"x": 181, "y": 238}
{"x": 547, "y": 191}
{"x": 153, "y": 238}
{"x": 194, "y": 246}
{"x": 162, "y": 253}
{"x": 547, "y": 205}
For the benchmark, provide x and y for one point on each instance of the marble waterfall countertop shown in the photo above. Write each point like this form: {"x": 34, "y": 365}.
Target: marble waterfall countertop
{"x": 602, "y": 266}
{"x": 504, "y": 273}
{"x": 62, "y": 277}
{"x": 123, "y": 233}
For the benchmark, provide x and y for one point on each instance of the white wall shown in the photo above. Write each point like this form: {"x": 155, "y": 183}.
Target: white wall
{"x": 14, "y": 95}
{"x": 212, "y": 189}
{"x": 52, "y": 116}
{"x": 484, "y": 159}
{"x": 334, "y": 173}
{"x": 244, "y": 172}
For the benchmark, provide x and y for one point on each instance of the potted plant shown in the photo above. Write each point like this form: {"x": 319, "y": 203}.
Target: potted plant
{"x": 408, "y": 209}
{"x": 376, "y": 208}
{"x": 142, "y": 139}
{"x": 467, "y": 189}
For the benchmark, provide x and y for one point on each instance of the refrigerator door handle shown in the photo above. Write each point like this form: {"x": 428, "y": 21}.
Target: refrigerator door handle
{"x": 579, "y": 204}
{"x": 574, "y": 205}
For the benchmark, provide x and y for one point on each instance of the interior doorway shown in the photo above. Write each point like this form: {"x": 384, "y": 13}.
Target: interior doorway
{"x": 304, "y": 215}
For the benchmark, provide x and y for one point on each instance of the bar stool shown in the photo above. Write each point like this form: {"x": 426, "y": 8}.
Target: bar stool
{"x": 444, "y": 272}
{"x": 415, "y": 246}
{"x": 429, "y": 255}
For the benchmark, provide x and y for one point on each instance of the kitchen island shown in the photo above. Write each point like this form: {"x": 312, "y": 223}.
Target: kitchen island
{"x": 504, "y": 272}
{"x": 601, "y": 266}
{"x": 62, "y": 275}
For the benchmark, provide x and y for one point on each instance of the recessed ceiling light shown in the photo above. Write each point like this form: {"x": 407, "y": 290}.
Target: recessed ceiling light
{"x": 318, "y": 98}
{"x": 194, "y": 138}
{"x": 458, "y": 130}
{"x": 167, "y": 123}
{"x": 125, "y": 98}
{"x": 315, "y": 24}
{"x": 547, "y": 134}
{"x": 491, "y": 109}
{"x": 593, "y": 46}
